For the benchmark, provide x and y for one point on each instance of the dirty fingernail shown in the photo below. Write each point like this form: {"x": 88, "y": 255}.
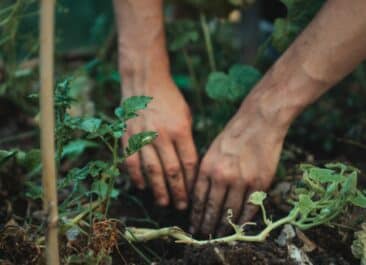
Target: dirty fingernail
{"x": 182, "y": 205}
{"x": 163, "y": 202}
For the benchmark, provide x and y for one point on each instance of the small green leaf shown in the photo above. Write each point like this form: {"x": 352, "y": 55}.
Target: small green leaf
{"x": 324, "y": 175}
{"x": 359, "y": 200}
{"x": 305, "y": 204}
{"x": 350, "y": 184}
{"x": 219, "y": 86}
{"x": 96, "y": 167}
{"x": 31, "y": 160}
{"x": 233, "y": 86}
{"x": 118, "y": 129}
{"x": 101, "y": 188}
{"x": 131, "y": 106}
{"x": 257, "y": 197}
{"x": 77, "y": 147}
{"x": 137, "y": 141}
{"x": 90, "y": 125}
{"x": 6, "y": 155}
{"x": 245, "y": 77}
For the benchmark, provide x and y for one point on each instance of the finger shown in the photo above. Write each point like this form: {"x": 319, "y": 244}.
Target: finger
{"x": 173, "y": 172}
{"x": 213, "y": 208}
{"x": 249, "y": 209}
{"x": 234, "y": 202}
{"x": 133, "y": 164}
{"x": 188, "y": 158}
{"x": 198, "y": 202}
{"x": 153, "y": 169}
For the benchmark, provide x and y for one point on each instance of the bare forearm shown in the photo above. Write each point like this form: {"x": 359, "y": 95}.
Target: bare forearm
{"x": 331, "y": 46}
{"x": 141, "y": 42}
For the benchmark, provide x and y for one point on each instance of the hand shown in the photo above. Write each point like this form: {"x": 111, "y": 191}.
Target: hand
{"x": 241, "y": 160}
{"x": 170, "y": 162}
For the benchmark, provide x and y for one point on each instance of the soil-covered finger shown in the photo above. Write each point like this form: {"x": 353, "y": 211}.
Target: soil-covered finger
{"x": 200, "y": 193}
{"x": 214, "y": 205}
{"x": 188, "y": 157}
{"x": 152, "y": 168}
{"x": 173, "y": 173}
{"x": 249, "y": 210}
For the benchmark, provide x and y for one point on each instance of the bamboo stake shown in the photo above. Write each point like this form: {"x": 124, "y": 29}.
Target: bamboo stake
{"x": 47, "y": 129}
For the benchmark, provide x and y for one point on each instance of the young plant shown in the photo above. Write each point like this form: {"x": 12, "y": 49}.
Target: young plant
{"x": 87, "y": 190}
{"x": 107, "y": 131}
{"x": 322, "y": 195}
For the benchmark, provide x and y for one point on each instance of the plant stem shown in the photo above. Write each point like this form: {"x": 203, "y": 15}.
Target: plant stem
{"x": 112, "y": 179}
{"x": 90, "y": 207}
{"x": 264, "y": 215}
{"x": 208, "y": 42}
{"x": 47, "y": 129}
{"x": 133, "y": 234}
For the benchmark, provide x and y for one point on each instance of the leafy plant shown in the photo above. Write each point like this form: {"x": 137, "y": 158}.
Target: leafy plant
{"x": 322, "y": 195}
{"x": 89, "y": 188}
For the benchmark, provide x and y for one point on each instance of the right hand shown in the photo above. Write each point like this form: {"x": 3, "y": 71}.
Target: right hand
{"x": 170, "y": 162}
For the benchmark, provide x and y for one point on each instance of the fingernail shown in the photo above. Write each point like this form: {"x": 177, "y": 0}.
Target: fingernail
{"x": 182, "y": 205}
{"x": 163, "y": 202}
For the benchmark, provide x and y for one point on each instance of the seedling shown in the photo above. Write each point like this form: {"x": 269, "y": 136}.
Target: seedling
{"x": 322, "y": 195}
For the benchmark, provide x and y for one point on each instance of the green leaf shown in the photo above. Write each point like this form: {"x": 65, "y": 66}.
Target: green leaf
{"x": 219, "y": 85}
{"x": 305, "y": 204}
{"x": 181, "y": 33}
{"x": 6, "y": 155}
{"x": 233, "y": 86}
{"x": 77, "y": 147}
{"x": 359, "y": 200}
{"x": 257, "y": 197}
{"x": 118, "y": 129}
{"x": 299, "y": 14}
{"x": 96, "y": 167}
{"x": 101, "y": 188}
{"x": 31, "y": 160}
{"x": 350, "y": 184}
{"x": 183, "y": 40}
{"x": 90, "y": 125}
{"x": 137, "y": 141}
{"x": 131, "y": 106}
{"x": 324, "y": 175}
{"x": 245, "y": 77}
{"x": 33, "y": 191}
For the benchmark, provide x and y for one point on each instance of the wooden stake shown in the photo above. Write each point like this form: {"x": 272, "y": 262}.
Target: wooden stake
{"x": 47, "y": 129}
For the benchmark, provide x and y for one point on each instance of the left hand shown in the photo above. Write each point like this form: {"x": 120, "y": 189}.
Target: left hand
{"x": 241, "y": 160}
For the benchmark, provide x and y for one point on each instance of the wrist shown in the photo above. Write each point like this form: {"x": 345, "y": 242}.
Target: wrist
{"x": 283, "y": 93}
{"x": 143, "y": 72}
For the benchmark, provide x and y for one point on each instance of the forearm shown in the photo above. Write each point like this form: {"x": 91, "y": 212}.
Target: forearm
{"x": 141, "y": 42}
{"x": 331, "y": 46}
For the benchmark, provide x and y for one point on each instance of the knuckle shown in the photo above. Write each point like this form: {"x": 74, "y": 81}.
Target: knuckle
{"x": 221, "y": 176}
{"x": 131, "y": 163}
{"x": 152, "y": 169}
{"x": 173, "y": 171}
{"x": 204, "y": 172}
{"x": 190, "y": 164}
{"x": 251, "y": 181}
{"x": 182, "y": 129}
